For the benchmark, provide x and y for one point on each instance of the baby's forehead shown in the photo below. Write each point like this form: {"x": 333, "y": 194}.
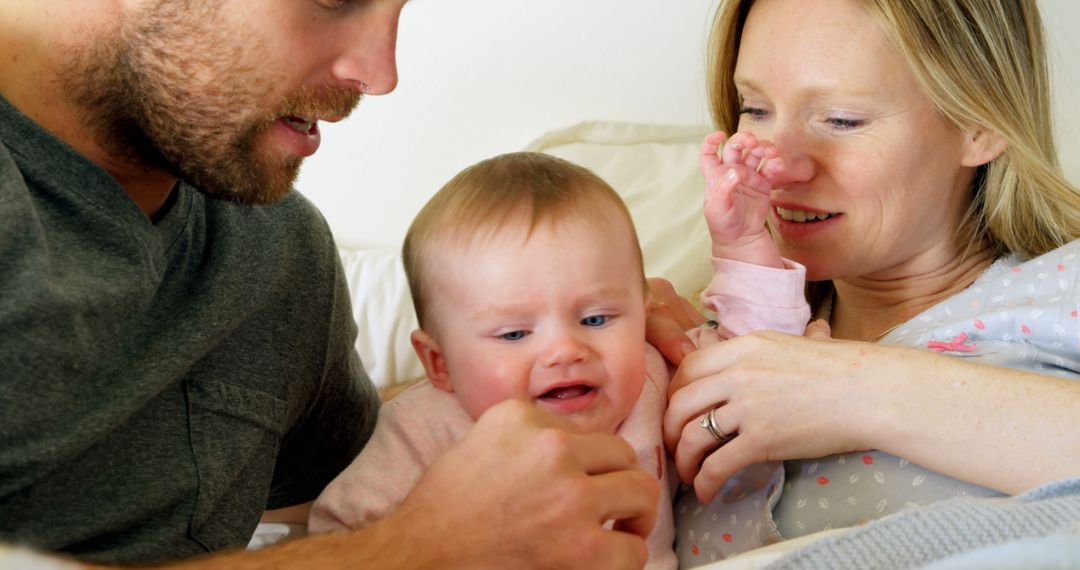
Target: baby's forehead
{"x": 555, "y": 235}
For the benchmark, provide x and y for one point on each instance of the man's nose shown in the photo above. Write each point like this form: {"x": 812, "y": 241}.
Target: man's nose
{"x": 369, "y": 60}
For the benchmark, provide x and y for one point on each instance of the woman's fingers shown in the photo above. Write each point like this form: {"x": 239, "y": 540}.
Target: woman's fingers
{"x": 670, "y": 316}
{"x": 721, "y": 465}
{"x": 667, "y": 335}
{"x": 696, "y": 442}
{"x": 705, "y": 363}
{"x": 695, "y": 394}
{"x": 665, "y": 298}
{"x": 818, "y": 329}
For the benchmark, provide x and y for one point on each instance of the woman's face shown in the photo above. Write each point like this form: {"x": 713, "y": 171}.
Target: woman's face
{"x": 874, "y": 185}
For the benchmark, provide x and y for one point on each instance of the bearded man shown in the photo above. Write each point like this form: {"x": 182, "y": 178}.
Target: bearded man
{"x": 176, "y": 341}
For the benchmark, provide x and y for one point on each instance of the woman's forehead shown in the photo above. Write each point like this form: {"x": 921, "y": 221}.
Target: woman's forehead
{"x": 817, "y": 47}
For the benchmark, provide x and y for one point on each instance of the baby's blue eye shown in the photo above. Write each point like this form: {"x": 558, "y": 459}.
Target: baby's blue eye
{"x": 594, "y": 320}
{"x": 513, "y": 335}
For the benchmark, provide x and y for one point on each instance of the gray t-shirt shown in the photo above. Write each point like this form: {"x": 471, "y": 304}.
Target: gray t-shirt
{"x": 161, "y": 384}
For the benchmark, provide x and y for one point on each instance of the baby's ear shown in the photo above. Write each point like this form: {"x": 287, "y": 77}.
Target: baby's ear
{"x": 982, "y": 146}
{"x": 430, "y": 354}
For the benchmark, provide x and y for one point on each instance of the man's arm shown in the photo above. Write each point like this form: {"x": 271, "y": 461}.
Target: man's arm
{"x": 521, "y": 481}
{"x": 296, "y": 514}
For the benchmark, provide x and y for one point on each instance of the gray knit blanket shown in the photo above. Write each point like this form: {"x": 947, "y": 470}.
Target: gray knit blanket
{"x": 1038, "y": 529}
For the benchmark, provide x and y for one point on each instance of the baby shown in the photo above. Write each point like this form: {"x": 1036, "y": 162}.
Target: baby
{"x": 528, "y": 283}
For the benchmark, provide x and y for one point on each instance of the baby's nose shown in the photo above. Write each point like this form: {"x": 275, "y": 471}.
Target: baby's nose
{"x": 563, "y": 350}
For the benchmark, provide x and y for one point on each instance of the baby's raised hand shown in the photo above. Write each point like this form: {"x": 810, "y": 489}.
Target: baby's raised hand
{"x": 737, "y": 188}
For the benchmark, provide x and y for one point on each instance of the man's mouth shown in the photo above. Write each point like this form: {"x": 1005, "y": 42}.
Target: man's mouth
{"x": 801, "y": 216}
{"x": 301, "y": 125}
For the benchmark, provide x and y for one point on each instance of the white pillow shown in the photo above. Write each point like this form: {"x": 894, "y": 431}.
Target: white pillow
{"x": 654, "y": 169}
{"x": 382, "y": 307}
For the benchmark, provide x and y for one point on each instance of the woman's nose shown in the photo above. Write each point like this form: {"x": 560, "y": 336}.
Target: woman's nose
{"x": 798, "y": 156}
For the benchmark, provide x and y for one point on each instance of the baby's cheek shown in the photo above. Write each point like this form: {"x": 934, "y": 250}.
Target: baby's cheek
{"x": 632, "y": 383}
{"x": 480, "y": 397}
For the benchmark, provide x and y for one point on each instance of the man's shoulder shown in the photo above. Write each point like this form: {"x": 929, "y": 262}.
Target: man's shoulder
{"x": 296, "y": 206}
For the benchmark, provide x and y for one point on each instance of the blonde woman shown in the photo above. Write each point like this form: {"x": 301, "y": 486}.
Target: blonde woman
{"x": 921, "y": 192}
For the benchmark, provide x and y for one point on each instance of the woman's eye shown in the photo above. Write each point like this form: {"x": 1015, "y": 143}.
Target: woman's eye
{"x": 595, "y": 320}
{"x": 513, "y": 335}
{"x": 844, "y": 124}
{"x": 754, "y": 113}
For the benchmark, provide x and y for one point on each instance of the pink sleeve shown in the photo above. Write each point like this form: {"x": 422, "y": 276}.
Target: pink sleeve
{"x": 748, "y": 297}
{"x": 398, "y": 453}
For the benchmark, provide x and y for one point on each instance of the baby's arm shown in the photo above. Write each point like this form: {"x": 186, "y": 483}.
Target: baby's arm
{"x": 412, "y": 432}
{"x": 737, "y": 197}
{"x": 748, "y": 297}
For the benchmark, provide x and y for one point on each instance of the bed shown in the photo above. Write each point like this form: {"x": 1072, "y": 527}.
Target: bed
{"x": 614, "y": 85}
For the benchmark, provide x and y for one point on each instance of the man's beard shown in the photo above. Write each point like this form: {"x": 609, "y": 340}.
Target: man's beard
{"x": 174, "y": 90}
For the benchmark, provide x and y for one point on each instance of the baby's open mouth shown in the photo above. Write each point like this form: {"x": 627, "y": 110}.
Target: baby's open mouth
{"x": 567, "y": 392}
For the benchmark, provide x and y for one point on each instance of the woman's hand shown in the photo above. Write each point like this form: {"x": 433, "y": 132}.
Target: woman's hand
{"x": 786, "y": 397}
{"x": 670, "y": 316}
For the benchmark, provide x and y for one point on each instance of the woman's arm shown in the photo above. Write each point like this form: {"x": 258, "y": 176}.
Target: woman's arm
{"x": 793, "y": 398}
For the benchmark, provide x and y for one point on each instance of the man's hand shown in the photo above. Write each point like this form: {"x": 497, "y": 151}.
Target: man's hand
{"x": 526, "y": 489}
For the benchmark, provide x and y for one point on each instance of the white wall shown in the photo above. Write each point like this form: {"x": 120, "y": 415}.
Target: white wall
{"x": 1062, "y": 19}
{"x": 482, "y": 77}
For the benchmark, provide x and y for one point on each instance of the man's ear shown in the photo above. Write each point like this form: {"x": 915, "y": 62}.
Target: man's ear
{"x": 982, "y": 146}
{"x": 431, "y": 357}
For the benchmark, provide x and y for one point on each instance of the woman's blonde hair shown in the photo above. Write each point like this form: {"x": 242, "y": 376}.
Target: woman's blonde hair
{"x": 983, "y": 65}
{"x": 507, "y": 189}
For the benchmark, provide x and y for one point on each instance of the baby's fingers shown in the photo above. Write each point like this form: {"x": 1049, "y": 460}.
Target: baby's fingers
{"x": 713, "y": 142}
{"x": 761, "y": 155}
{"x": 773, "y": 167}
{"x": 735, "y": 150}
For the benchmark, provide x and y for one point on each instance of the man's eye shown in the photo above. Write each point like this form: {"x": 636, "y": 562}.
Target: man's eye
{"x": 513, "y": 335}
{"x": 594, "y": 320}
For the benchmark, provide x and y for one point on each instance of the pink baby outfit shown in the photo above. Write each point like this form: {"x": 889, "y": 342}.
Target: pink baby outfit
{"x": 423, "y": 422}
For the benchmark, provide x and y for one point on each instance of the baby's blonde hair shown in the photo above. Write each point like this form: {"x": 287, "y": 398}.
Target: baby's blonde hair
{"x": 983, "y": 65}
{"x": 494, "y": 193}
